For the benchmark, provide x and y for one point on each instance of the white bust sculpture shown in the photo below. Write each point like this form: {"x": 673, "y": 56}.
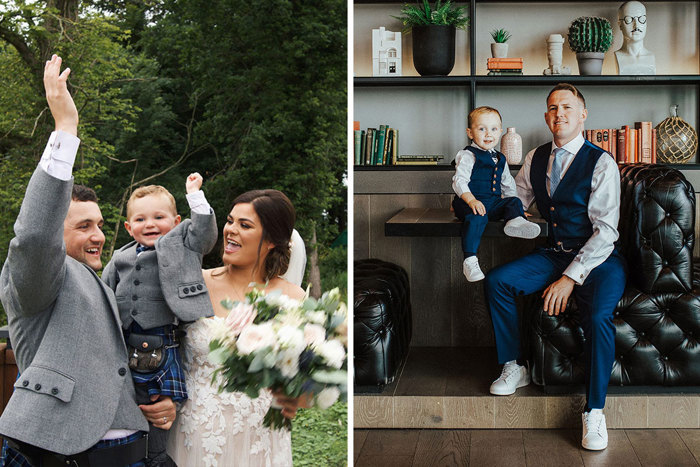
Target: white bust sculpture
{"x": 555, "y": 42}
{"x": 632, "y": 58}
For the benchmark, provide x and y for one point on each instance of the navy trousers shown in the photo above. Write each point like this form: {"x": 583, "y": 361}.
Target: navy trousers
{"x": 596, "y": 300}
{"x": 473, "y": 225}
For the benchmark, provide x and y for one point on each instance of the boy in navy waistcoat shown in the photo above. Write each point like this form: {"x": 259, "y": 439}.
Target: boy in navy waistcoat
{"x": 157, "y": 280}
{"x": 485, "y": 190}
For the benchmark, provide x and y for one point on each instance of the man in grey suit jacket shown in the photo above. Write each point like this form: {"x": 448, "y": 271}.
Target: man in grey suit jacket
{"x": 74, "y": 400}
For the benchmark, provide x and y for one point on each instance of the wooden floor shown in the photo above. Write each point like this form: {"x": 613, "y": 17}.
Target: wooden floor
{"x": 513, "y": 448}
{"x": 448, "y": 388}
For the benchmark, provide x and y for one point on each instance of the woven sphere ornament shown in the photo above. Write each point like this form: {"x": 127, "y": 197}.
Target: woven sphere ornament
{"x": 676, "y": 140}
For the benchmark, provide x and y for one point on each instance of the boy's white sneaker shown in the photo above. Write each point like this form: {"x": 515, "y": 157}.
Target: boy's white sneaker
{"x": 513, "y": 376}
{"x": 595, "y": 433}
{"x": 521, "y": 228}
{"x": 471, "y": 269}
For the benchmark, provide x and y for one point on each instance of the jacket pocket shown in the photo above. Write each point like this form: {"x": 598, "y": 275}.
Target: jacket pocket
{"x": 46, "y": 381}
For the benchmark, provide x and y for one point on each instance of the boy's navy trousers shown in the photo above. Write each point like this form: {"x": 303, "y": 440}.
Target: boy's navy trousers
{"x": 473, "y": 225}
{"x": 596, "y": 300}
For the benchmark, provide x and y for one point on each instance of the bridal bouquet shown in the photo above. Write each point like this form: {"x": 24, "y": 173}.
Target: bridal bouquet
{"x": 272, "y": 341}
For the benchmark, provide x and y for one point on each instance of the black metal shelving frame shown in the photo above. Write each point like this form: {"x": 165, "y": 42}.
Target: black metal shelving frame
{"x": 474, "y": 81}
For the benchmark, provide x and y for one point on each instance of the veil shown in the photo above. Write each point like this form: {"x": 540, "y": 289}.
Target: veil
{"x": 297, "y": 260}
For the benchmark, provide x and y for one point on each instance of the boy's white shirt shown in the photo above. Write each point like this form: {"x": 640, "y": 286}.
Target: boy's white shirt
{"x": 464, "y": 163}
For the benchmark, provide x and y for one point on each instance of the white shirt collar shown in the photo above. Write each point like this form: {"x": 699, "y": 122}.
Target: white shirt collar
{"x": 573, "y": 146}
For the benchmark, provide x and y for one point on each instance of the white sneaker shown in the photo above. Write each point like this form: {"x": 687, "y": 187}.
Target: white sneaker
{"x": 521, "y": 228}
{"x": 471, "y": 269}
{"x": 595, "y": 433}
{"x": 513, "y": 376}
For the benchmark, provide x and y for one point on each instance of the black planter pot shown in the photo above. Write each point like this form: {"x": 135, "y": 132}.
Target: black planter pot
{"x": 433, "y": 49}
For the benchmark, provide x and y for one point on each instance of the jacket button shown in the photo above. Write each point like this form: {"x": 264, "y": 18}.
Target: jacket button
{"x": 134, "y": 297}
{"x": 37, "y": 386}
{"x": 554, "y": 225}
{"x": 134, "y": 312}
{"x": 199, "y": 287}
{"x": 494, "y": 175}
{"x": 25, "y": 383}
{"x": 137, "y": 282}
{"x": 138, "y": 267}
{"x": 122, "y": 371}
{"x": 494, "y": 182}
{"x": 186, "y": 290}
{"x": 665, "y": 358}
{"x": 493, "y": 189}
{"x": 551, "y": 208}
{"x": 54, "y": 391}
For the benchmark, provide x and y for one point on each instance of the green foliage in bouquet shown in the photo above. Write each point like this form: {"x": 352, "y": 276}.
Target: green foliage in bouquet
{"x": 590, "y": 34}
{"x": 444, "y": 14}
{"x": 500, "y": 36}
{"x": 273, "y": 342}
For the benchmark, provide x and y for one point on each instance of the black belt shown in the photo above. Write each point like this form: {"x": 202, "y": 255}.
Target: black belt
{"x": 114, "y": 456}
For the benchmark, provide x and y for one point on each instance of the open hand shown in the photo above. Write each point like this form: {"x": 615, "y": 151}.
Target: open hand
{"x": 194, "y": 182}
{"x": 60, "y": 101}
{"x": 477, "y": 207}
{"x": 160, "y": 413}
{"x": 557, "y": 295}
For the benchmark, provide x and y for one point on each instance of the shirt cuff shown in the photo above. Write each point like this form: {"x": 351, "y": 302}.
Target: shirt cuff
{"x": 577, "y": 272}
{"x": 59, "y": 155}
{"x": 198, "y": 202}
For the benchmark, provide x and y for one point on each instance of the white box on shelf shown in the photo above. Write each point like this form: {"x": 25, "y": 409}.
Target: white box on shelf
{"x": 386, "y": 52}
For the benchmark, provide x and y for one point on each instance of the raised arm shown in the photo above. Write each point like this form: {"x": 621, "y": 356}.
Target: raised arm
{"x": 35, "y": 264}
{"x": 201, "y": 233}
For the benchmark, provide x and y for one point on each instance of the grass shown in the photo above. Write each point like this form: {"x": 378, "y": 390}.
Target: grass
{"x": 320, "y": 437}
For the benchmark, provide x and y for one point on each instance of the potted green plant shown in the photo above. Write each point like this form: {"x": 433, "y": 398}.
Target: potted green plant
{"x": 433, "y": 30}
{"x": 590, "y": 37}
{"x": 499, "y": 48}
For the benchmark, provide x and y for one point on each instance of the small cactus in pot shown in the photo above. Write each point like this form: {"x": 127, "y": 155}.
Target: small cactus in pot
{"x": 590, "y": 37}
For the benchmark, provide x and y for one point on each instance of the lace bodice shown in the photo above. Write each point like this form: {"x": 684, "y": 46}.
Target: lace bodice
{"x": 224, "y": 429}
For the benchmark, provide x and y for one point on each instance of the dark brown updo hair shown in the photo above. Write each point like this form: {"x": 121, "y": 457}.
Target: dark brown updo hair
{"x": 277, "y": 217}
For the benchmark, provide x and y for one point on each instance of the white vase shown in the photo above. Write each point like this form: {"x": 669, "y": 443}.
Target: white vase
{"x": 499, "y": 50}
{"x": 512, "y": 147}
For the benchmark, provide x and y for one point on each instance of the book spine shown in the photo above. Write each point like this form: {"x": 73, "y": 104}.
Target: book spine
{"x": 358, "y": 145}
{"x": 634, "y": 157}
{"x": 628, "y": 142}
{"x": 653, "y": 145}
{"x": 613, "y": 143}
{"x": 620, "y": 157}
{"x": 395, "y": 153}
{"x": 363, "y": 145}
{"x": 387, "y": 146}
{"x": 379, "y": 146}
{"x": 356, "y": 125}
{"x": 605, "y": 133}
{"x": 369, "y": 146}
{"x": 644, "y": 133}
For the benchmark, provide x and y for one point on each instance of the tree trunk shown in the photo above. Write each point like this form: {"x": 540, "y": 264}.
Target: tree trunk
{"x": 315, "y": 273}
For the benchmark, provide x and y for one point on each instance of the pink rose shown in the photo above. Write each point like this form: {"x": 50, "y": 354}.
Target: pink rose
{"x": 240, "y": 316}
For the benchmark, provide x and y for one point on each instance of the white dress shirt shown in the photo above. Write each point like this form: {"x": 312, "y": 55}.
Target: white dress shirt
{"x": 464, "y": 163}
{"x": 603, "y": 206}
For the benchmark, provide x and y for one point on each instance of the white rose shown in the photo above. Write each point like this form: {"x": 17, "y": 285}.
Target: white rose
{"x": 255, "y": 337}
{"x": 327, "y": 397}
{"x": 291, "y": 337}
{"x": 288, "y": 363}
{"x": 240, "y": 316}
{"x": 318, "y": 317}
{"x": 219, "y": 331}
{"x": 314, "y": 335}
{"x": 282, "y": 301}
{"x": 333, "y": 352}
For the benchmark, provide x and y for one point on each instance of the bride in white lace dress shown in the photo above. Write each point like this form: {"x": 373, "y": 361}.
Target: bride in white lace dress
{"x": 213, "y": 429}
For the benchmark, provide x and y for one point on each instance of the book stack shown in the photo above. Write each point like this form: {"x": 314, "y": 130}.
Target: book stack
{"x": 419, "y": 159}
{"x": 628, "y": 144}
{"x": 505, "y": 66}
{"x": 376, "y": 146}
